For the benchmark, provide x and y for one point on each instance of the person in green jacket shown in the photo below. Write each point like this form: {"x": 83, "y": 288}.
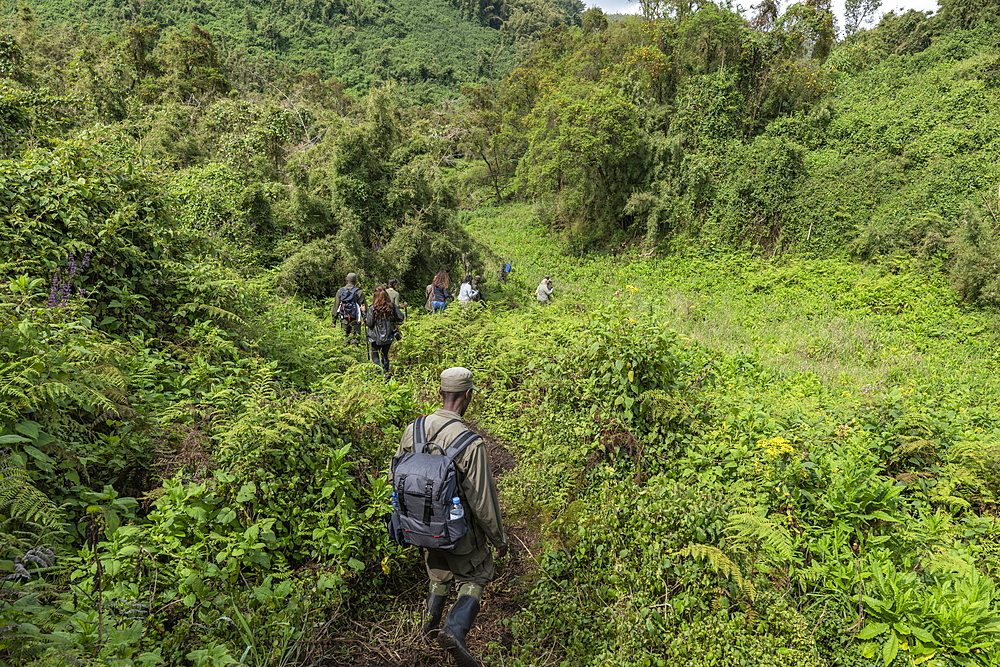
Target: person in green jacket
{"x": 394, "y": 294}
{"x": 470, "y": 565}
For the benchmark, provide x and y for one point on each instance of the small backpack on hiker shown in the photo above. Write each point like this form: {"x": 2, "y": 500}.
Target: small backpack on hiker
{"x": 349, "y": 310}
{"x": 424, "y": 484}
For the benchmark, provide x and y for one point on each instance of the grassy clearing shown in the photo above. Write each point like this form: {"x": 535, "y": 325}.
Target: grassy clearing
{"x": 720, "y": 454}
{"x": 849, "y": 324}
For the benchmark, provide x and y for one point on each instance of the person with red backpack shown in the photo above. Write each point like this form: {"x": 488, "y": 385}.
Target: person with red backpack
{"x": 348, "y": 308}
{"x": 446, "y": 503}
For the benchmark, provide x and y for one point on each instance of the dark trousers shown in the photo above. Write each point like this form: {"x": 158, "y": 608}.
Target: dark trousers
{"x": 352, "y": 330}
{"x": 380, "y": 356}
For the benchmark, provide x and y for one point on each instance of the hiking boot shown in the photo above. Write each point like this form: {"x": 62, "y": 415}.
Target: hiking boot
{"x": 456, "y": 627}
{"x": 432, "y": 616}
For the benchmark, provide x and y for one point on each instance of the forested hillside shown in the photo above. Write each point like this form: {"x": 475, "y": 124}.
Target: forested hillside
{"x": 757, "y": 425}
{"x": 705, "y": 130}
{"x": 431, "y": 47}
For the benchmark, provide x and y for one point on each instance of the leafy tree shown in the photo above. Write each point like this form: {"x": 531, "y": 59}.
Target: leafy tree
{"x": 191, "y": 65}
{"x": 11, "y": 59}
{"x": 975, "y": 271}
{"x": 585, "y": 148}
{"x": 857, "y": 13}
{"x": 811, "y": 24}
{"x": 968, "y": 14}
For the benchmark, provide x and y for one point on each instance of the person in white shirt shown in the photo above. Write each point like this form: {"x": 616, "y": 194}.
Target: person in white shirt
{"x": 544, "y": 290}
{"x": 465, "y": 292}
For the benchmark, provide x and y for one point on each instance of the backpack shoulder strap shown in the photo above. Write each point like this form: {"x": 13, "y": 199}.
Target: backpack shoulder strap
{"x": 419, "y": 434}
{"x": 459, "y": 444}
{"x": 443, "y": 427}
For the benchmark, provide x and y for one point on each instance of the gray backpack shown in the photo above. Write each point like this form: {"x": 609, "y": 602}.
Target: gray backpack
{"x": 425, "y": 483}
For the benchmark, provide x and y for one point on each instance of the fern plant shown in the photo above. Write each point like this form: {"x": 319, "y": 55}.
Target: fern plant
{"x": 720, "y": 564}
{"x": 21, "y": 501}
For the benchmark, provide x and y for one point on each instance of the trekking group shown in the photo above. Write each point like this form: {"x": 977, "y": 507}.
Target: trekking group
{"x": 381, "y": 321}
{"x": 444, "y": 496}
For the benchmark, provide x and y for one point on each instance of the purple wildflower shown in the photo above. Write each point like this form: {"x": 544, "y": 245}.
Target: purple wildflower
{"x": 61, "y": 288}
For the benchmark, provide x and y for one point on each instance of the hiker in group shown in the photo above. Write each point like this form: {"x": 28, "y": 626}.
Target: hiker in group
{"x": 544, "y": 290}
{"x": 393, "y": 294}
{"x": 348, "y": 308}
{"x": 382, "y": 320}
{"x": 439, "y": 291}
{"x": 504, "y": 272}
{"x": 469, "y": 564}
{"x": 467, "y": 293}
{"x": 477, "y": 288}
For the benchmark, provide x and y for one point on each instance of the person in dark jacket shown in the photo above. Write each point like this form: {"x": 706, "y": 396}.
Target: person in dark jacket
{"x": 440, "y": 293}
{"x": 382, "y": 319}
{"x": 349, "y": 308}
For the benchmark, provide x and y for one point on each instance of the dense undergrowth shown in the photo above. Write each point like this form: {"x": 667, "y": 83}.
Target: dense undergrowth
{"x": 730, "y": 454}
{"x": 733, "y": 461}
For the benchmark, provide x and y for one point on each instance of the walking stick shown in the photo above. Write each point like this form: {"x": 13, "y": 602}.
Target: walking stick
{"x": 364, "y": 332}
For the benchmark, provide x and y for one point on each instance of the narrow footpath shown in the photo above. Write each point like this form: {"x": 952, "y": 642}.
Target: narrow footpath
{"x": 393, "y": 641}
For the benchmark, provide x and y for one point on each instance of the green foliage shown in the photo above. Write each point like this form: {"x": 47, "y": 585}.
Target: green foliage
{"x": 582, "y": 145}
{"x": 761, "y": 193}
{"x": 974, "y": 272}
{"x": 19, "y": 499}
{"x": 360, "y": 43}
{"x": 749, "y": 503}
{"x": 373, "y": 202}
{"x": 723, "y": 459}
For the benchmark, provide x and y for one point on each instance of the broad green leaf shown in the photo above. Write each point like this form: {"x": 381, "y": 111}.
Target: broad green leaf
{"x": 873, "y": 630}
{"x": 247, "y": 493}
{"x": 28, "y": 428}
{"x": 890, "y": 649}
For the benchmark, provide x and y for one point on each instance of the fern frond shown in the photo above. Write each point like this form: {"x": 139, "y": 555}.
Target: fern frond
{"x": 749, "y": 531}
{"x": 20, "y": 498}
{"x": 721, "y": 564}
{"x": 912, "y": 445}
{"x": 953, "y": 562}
{"x": 814, "y": 573}
{"x": 215, "y": 312}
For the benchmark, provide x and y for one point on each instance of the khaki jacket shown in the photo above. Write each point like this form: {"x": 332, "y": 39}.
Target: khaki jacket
{"x": 543, "y": 292}
{"x": 479, "y": 492}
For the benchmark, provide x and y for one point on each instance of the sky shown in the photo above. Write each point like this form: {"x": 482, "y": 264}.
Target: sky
{"x": 633, "y": 7}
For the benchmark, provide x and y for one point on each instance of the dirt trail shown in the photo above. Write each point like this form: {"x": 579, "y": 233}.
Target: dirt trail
{"x": 393, "y": 642}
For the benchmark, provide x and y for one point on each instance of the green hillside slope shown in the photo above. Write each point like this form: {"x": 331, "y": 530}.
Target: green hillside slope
{"x": 703, "y": 128}
{"x": 428, "y": 44}
{"x": 757, "y": 425}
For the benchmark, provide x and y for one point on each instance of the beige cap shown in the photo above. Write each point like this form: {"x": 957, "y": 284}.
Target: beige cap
{"x": 456, "y": 379}
{"x": 352, "y": 277}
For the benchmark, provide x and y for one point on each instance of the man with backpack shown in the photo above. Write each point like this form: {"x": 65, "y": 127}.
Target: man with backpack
{"x": 438, "y": 456}
{"x": 348, "y": 307}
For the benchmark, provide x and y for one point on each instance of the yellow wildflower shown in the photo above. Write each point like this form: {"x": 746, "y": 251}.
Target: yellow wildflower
{"x": 775, "y": 447}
